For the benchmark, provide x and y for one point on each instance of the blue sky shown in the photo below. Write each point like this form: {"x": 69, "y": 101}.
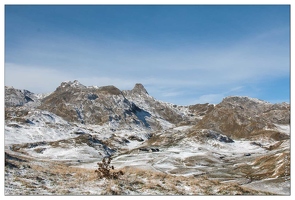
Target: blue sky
{"x": 181, "y": 54}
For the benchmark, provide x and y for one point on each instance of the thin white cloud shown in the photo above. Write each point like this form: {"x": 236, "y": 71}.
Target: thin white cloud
{"x": 171, "y": 94}
{"x": 35, "y": 79}
{"x": 119, "y": 63}
{"x": 215, "y": 98}
{"x": 209, "y": 98}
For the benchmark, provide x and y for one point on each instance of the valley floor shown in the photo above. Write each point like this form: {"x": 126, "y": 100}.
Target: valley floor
{"x": 177, "y": 170}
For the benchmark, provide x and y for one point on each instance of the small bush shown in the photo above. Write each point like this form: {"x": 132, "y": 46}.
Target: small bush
{"x": 105, "y": 170}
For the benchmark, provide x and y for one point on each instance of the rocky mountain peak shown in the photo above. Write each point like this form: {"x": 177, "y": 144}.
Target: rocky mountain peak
{"x": 139, "y": 88}
{"x": 243, "y": 99}
{"x": 16, "y": 97}
{"x": 72, "y": 84}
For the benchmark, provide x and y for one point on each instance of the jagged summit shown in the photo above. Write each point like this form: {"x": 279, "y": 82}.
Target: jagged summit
{"x": 139, "y": 88}
{"x": 74, "y": 83}
{"x": 9, "y": 87}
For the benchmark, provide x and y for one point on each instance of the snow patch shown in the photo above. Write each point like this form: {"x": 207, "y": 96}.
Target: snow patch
{"x": 283, "y": 128}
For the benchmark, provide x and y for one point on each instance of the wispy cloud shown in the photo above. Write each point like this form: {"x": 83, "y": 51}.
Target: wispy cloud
{"x": 44, "y": 79}
{"x": 36, "y": 79}
{"x": 40, "y": 65}
{"x": 217, "y": 97}
{"x": 209, "y": 98}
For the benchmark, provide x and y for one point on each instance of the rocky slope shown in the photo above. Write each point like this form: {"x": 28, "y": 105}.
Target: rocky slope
{"x": 15, "y": 97}
{"x": 99, "y": 105}
{"x": 244, "y": 117}
{"x": 174, "y": 114}
{"x": 234, "y": 146}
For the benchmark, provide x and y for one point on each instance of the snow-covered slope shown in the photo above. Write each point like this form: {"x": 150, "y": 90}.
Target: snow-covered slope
{"x": 36, "y": 126}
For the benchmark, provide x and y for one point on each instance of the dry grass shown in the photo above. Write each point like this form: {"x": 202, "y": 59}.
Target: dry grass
{"x": 152, "y": 182}
{"x": 235, "y": 189}
{"x": 56, "y": 178}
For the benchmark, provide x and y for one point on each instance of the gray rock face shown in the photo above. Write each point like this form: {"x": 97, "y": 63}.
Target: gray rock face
{"x": 15, "y": 97}
{"x": 217, "y": 136}
{"x": 169, "y": 112}
{"x": 139, "y": 89}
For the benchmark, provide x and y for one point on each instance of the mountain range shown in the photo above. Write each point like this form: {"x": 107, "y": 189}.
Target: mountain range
{"x": 239, "y": 146}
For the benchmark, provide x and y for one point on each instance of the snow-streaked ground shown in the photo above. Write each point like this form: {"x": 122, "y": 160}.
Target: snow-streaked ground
{"x": 281, "y": 186}
{"x": 81, "y": 153}
{"x": 188, "y": 157}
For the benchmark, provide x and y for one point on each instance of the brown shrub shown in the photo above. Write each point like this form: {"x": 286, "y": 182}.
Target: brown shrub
{"x": 105, "y": 170}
